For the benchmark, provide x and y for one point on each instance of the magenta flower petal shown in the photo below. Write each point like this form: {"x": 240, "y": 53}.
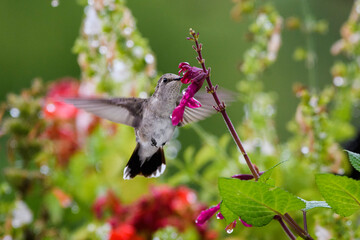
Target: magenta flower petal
{"x": 196, "y": 76}
{"x": 193, "y": 103}
{"x": 177, "y": 115}
{"x": 245, "y": 176}
{"x": 219, "y": 216}
{"x": 244, "y": 223}
{"x": 207, "y": 214}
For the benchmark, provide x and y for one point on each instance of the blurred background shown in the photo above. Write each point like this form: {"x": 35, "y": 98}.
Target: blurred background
{"x": 37, "y": 41}
{"x": 298, "y": 100}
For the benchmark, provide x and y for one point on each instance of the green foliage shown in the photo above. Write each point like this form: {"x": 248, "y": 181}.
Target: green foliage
{"x": 170, "y": 233}
{"x": 354, "y": 160}
{"x": 267, "y": 174}
{"x": 340, "y": 192}
{"x": 322, "y": 120}
{"x": 315, "y": 204}
{"x": 257, "y": 203}
{"x": 229, "y": 215}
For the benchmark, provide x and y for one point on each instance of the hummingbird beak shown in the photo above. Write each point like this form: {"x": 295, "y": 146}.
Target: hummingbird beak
{"x": 177, "y": 79}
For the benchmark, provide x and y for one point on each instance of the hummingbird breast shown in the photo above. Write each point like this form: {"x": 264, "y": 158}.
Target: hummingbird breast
{"x": 155, "y": 129}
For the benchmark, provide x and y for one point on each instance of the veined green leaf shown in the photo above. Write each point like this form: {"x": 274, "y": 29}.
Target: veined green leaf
{"x": 340, "y": 192}
{"x": 228, "y": 214}
{"x": 315, "y": 204}
{"x": 266, "y": 175}
{"x": 354, "y": 160}
{"x": 257, "y": 203}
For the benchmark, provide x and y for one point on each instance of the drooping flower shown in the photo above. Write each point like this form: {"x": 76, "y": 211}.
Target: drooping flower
{"x": 192, "y": 74}
{"x": 196, "y": 76}
{"x": 205, "y": 215}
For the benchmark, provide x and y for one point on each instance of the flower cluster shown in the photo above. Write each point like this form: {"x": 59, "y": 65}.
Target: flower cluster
{"x": 164, "y": 207}
{"x": 196, "y": 76}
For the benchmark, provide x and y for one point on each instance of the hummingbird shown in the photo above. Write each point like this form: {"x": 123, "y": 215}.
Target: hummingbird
{"x": 151, "y": 119}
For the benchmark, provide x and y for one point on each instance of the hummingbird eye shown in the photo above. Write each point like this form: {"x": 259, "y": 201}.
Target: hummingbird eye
{"x": 165, "y": 80}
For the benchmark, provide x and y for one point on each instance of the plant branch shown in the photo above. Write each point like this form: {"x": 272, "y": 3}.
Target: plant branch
{"x": 285, "y": 228}
{"x": 305, "y": 221}
{"x": 221, "y": 108}
{"x": 291, "y": 222}
{"x": 221, "y": 105}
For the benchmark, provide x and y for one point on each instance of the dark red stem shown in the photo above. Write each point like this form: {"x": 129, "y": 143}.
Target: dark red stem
{"x": 291, "y": 222}
{"x": 221, "y": 107}
{"x": 285, "y": 228}
{"x": 305, "y": 221}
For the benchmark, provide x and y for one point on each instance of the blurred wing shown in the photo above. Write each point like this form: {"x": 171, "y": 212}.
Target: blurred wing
{"x": 127, "y": 111}
{"x": 207, "y": 102}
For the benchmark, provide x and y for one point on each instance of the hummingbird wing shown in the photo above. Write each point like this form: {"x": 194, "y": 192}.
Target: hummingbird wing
{"x": 207, "y": 102}
{"x": 127, "y": 111}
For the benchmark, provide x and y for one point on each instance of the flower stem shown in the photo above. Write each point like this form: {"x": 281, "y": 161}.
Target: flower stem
{"x": 221, "y": 106}
{"x": 305, "y": 222}
{"x": 286, "y": 229}
{"x": 291, "y": 222}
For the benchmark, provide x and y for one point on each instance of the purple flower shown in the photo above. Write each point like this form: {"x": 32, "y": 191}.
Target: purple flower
{"x": 196, "y": 76}
{"x": 208, "y": 213}
{"x": 245, "y": 176}
{"x": 205, "y": 215}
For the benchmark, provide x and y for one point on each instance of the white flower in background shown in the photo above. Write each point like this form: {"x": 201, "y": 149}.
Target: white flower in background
{"x": 103, "y": 231}
{"x": 263, "y": 145}
{"x": 267, "y": 148}
{"x": 7, "y": 237}
{"x": 120, "y": 71}
{"x": 21, "y": 214}
{"x": 92, "y": 24}
{"x": 322, "y": 233}
{"x": 138, "y": 52}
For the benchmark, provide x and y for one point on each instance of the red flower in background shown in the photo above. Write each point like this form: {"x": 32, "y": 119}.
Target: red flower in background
{"x": 66, "y": 127}
{"x": 124, "y": 232}
{"x": 164, "y": 206}
{"x": 54, "y": 107}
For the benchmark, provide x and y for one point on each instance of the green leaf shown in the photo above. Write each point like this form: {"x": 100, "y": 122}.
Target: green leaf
{"x": 315, "y": 204}
{"x": 256, "y": 203}
{"x": 266, "y": 175}
{"x": 340, "y": 192}
{"x": 354, "y": 160}
{"x": 227, "y": 213}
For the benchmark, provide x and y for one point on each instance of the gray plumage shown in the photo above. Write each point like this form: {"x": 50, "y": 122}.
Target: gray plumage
{"x": 151, "y": 119}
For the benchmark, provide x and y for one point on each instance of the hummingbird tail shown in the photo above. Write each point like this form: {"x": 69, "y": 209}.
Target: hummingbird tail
{"x": 153, "y": 166}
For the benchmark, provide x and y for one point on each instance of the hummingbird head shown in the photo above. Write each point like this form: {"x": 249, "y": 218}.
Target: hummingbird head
{"x": 168, "y": 86}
